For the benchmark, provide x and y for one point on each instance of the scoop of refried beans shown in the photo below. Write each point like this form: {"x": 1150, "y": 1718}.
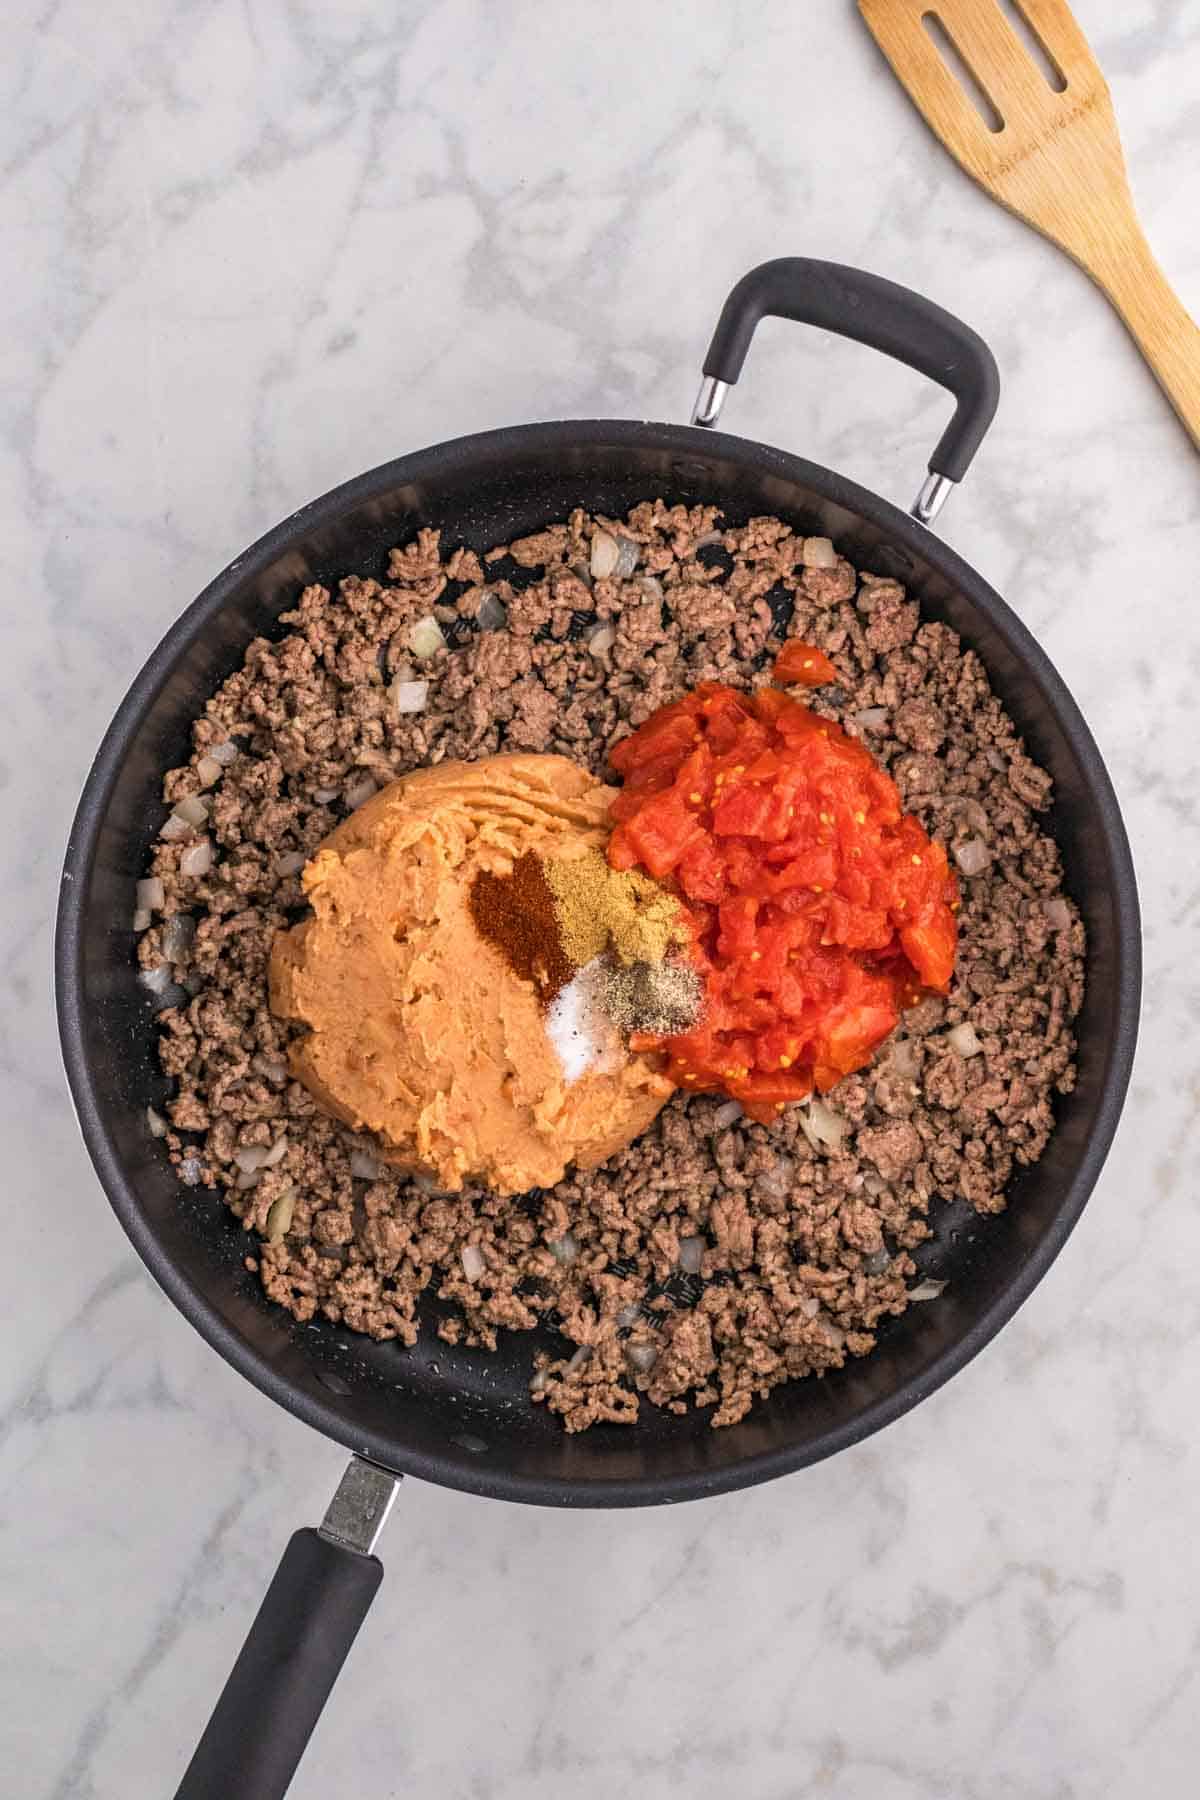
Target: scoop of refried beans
{"x": 804, "y": 1250}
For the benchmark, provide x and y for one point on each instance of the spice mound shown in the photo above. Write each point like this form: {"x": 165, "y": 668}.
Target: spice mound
{"x": 820, "y": 909}
{"x": 601, "y": 945}
{"x": 432, "y": 1032}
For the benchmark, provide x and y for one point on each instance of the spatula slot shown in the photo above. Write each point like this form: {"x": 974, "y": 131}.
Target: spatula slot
{"x": 1038, "y": 49}
{"x": 962, "y": 71}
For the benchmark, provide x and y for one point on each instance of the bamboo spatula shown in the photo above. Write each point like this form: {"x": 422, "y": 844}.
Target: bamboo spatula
{"x": 1050, "y": 153}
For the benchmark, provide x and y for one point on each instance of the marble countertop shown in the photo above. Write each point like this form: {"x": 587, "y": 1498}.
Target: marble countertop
{"x": 254, "y": 248}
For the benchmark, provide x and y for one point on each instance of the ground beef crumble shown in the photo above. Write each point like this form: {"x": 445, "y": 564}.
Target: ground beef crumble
{"x": 806, "y": 1248}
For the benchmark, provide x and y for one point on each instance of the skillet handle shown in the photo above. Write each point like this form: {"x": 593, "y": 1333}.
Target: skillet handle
{"x": 882, "y": 315}
{"x": 321, "y": 1593}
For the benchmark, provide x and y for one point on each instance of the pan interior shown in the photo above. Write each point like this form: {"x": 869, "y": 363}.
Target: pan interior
{"x": 462, "y": 1416}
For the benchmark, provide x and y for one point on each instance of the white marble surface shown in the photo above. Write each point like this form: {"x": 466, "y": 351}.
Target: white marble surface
{"x": 253, "y": 248}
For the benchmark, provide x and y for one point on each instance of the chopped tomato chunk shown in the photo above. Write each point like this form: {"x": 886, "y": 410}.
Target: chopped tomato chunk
{"x": 803, "y": 665}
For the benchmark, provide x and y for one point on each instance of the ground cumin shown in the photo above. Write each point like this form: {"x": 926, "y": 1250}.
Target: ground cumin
{"x": 599, "y": 910}
{"x": 516, "y": 913}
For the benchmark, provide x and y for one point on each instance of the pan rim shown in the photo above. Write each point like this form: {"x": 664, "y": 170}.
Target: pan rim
{"x": 479, "y": 1478}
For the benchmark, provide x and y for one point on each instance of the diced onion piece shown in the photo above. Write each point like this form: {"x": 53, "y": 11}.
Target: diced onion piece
{"x": 492, "y": 614}
{"x": 602, "y": 640}
{"x": 627, "y": 559}
{"x": 1058, "y": 913}
{"x": 247, "y": 1179}
{"x": 197, "y": 859}
{"x": 642, "y": 1356}
{"x": 225, "y": 753}
{"x": 192, "y": 809}
{"x": 582, "y": 1355}
{"x": 290, "y": 863}
{"x": 276, "y": 1153}
{"x": 409, "y": 696}
{"x": 540, "y": 1382}
{"x": 178, "y": 936}
{"x": 174, "y": 829}
{"x": 691, "y": 1255}
{"x": 209, "y": 771}
{"x": 809, "y": 1307}
{"x": 972, "y": 812}
{"x": 426, "y": 638}
{"x": 158, "y": 980}
{"x": 279, "y": 1217}
{"x": 272, "y": 1068}
{"x": 709, "y": 537}
{"x": 250, "y": 1157}
{"x": 972, "y": 856}
{"x": 157, "y": 1125}
{"x": 904, "y": 1058}
{"x": 325, "y": 796}
{"x": 191, "y": 1171}
{"x": 871, "y": 718}
{"x": 629, "y": 1315}
{"x": 877, "y": 1263}
{"x": 151, "y": 895}
{"x": 473, "y": 1261}
{"x": 365, "y": 1167}
{"x": 834, "y": 1333}
{"x": 823, "y": 1127}
{"x": 143, "y": 918}
{"x": 357, "y": 793}
{"x": 819, "y": 553}
{"x": 927, "y": 1290}
{"x": 727, "y": 1114}
{"x": 776, "y": 1182}
{"x": 605, "y": 554}
{"x": 563, "y": 1249}
{"x": 962, "y": 1039}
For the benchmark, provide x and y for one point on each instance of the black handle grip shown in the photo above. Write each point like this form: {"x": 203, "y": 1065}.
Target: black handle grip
{"x": 273, "y": 1698}
{"x": 875, "y": 312}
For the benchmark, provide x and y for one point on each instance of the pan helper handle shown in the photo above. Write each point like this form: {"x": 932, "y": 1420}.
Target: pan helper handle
{"x": 302, "y": 1635}
{"x": 882, "y": 315}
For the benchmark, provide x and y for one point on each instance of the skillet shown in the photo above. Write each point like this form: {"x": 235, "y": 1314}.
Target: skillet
{"x": 461, "y": 1417}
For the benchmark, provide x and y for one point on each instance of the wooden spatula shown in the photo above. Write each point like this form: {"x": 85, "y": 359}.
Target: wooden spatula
{"x": 1048, "y": 150}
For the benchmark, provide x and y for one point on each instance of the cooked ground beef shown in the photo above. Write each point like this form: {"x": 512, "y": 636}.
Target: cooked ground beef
{"x": 806, "y": 1247}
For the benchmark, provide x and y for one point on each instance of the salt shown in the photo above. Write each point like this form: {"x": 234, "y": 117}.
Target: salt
{"x": 580, "y": 1030}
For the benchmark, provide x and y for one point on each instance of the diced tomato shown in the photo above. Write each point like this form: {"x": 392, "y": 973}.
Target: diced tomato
{"x": 753, "y": 811}
{"x": 737, "y": 930}
{"x": 803, "y": 665}
{"x": 762, "y": 1096}
{"x": 930, "y": 949}
{"x": 671, "y": 731}
{"x": 701, "y": 872}
{"x": 778, "y": 1048}
{"x": 726, "y": 715}
{"x": 853, "y": 1029}
{"x": 658, "y": 835}
{"x": 817, "y": 909}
